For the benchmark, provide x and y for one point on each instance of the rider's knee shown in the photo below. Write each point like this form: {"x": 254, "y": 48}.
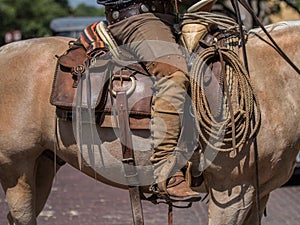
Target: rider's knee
{"x": 166, "y": 66}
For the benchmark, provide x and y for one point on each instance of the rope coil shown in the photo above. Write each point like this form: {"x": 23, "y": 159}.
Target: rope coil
{"x": 234, "y": 128}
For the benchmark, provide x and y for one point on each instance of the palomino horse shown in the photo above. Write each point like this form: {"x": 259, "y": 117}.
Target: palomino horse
{"x": 27, "y": 128}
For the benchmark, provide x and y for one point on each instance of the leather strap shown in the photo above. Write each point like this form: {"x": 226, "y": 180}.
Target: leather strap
{"x": 125, "y": 136}
{"x": 246, "y": 5}
{"x": 128, "y": 158}
{"x": 117, "y": 13}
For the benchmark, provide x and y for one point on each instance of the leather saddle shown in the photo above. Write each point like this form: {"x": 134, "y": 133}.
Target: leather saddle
{"x": 97, "y": 85}
{"x": 98, "y": 82}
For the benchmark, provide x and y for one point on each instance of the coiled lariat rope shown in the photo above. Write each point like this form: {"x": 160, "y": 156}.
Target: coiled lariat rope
{"x": 233, "y": 128}
{"x": 232, "y": 131}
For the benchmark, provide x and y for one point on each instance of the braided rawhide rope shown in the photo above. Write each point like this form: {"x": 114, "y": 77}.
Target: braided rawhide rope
{"x": 234, "y": 129}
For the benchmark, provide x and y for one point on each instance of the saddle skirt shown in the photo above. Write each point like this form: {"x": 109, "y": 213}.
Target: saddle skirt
{"x": 95, "y": 89}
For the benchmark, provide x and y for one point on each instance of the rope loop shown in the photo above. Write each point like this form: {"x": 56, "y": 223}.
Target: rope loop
{"x": 240, "y": 103}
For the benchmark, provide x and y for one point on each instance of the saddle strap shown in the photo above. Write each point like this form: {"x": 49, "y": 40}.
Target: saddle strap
{"x": 128, "y": 158}
{"x": 125, "y": 136}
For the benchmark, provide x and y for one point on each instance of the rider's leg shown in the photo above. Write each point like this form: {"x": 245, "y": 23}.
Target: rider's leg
{"x": 151, "y": 39}
{"x": 167, "y": 111}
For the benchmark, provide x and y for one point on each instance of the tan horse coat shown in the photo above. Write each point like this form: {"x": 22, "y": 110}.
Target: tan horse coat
{"x": 27, "y": 127}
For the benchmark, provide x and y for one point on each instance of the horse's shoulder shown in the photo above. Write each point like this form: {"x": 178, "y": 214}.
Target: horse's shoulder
{"x": 34, "y": 45}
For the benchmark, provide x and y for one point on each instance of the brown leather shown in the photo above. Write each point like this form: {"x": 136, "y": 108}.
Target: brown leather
{"x": 213, "y": 87}
{"x": 117, "y": 13}
{"x": 167, "y": 65}
{"x": 136, "y": 122}
{"x": 178, "y": 189}
{"x": 130, "y": 171}
{"x": 73, "y": 57}
{"x": 108, "y": 120}
{"x": 63, "y": 90}
{"x": 159, "y": 69}
{"x": 139, "y": 102}
{"x": 69, "y": 66}
{"x": 213, "y": 78}
{"x": 125, "y": 138}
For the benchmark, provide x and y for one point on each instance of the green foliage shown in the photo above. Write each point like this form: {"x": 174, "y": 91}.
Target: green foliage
{"x": 85, "y": 10}
{"x": 62, "y": 3}
{"x": 32, "y": 17}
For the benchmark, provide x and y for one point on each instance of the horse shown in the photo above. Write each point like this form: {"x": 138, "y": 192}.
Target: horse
{"x": 29, "y": 128}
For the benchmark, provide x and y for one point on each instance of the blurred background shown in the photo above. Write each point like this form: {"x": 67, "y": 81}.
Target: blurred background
{"x": 23, "y": 19}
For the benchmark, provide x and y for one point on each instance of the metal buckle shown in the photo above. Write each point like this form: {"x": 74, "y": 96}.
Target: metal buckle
{"x": 129, "y": 91}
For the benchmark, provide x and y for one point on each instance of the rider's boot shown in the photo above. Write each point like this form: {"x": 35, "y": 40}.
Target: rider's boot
{"x": 178, "y": 189}
{"x": 167, "y": 112}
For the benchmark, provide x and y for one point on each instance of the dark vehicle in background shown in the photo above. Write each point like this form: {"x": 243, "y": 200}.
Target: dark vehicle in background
{"x": 72, "y": 26}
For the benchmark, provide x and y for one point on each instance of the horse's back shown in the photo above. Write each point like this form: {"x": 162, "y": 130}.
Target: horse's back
{"x": 263, "y": 57}
{"x": 275, "y": 80}
{"x": 27, "y": 69}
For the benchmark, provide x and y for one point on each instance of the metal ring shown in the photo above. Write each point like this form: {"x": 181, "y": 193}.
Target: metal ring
{"x": 129, "y": 91}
